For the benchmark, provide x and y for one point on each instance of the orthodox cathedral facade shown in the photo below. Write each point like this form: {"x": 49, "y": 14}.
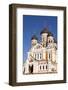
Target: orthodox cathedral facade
{"x": 42, "y": 57}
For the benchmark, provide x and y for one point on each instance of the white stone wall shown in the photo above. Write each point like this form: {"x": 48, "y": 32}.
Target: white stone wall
{"x": 37, "y": 62}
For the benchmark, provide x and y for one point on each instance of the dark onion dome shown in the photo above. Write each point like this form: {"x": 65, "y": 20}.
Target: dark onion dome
{"x": 34, "y": 37}
{"x": 45, "y": 30}
{"x": 50, "y": 34}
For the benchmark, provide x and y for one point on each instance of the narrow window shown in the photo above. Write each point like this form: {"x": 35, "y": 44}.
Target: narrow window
{"x": 37, "y": 56}
{"x": 49, "y": 55}
{"x": 49, "y": 41}
{"x": 40, "y": 55}
{"x": 43, "y": 67}
{"x": 46, "y": 43}
{"x": 40, "y": 67}
{"x": 46, "y": 66}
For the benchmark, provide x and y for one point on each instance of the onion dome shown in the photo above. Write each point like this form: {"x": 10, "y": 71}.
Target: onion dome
{"x": 50, "y": 34}
{"x": 45, "y": 30}
{"x": 34, "y": 37}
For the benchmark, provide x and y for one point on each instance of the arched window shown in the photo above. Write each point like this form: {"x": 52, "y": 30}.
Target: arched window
{"x": 49, "y": 55}
{"x": 24, "y": 70}
{"x": 30, "y": 69}
{"x": 40, "y": 67}
{"x": 46, "y": 67}
{"x": 43, "y": 67}
{"x": 40, "y": 55}
{"x": 49, "y": 41}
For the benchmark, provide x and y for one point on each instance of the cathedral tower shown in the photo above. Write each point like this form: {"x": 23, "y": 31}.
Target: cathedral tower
{"x": 44, "y": 34}
{"x": 34, "y": 40}
{"x": 50, "y": 39}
